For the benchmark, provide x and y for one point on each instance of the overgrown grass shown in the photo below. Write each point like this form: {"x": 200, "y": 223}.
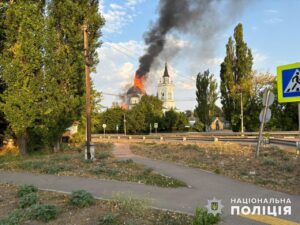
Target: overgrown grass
{"x": 202, "y": 217}
{"x": 72, "y": 162}
{"x": 43, "y": 213}
{"x": 275, "y": 169}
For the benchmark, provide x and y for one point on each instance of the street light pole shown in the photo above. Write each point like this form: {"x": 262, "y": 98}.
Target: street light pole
{"x": 88, "y": 91}
{"x": 124, "y": 124}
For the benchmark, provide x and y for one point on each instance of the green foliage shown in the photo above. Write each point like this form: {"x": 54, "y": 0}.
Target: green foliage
{"x": 104, "y": 170}
{"x": 236, "y": 77}
{"x": 14, "y": 218}
{"x": 206, "y": 98}
{"x": 204, "y": 218}
{"x": 102, "y": 155}
{"x": 26, "y": 189}
{"x": 43, "y": 213}
{"x": 81, "y": 198}
{"x": 43, "y": 66}
{"x": 28, "y": 200}
{"x": 173, "y": 121}
{"x": 108, "y": 219}
{"x": 111, "y": 117}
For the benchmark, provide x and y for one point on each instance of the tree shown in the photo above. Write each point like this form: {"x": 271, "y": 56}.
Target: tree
{"x": 206, "y": 98}
{"x": 22, "y": 67}
{"x": 174, "y": 121}
{"x": 148, "y": 111}
{"x": 236, "y": 77}
{"x": 3, "y": 122}
{"x": 64, "y": 49}
{"x": 111, "y": 117}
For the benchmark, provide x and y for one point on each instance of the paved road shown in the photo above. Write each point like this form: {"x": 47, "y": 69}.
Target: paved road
{"x": 204, "y": 186}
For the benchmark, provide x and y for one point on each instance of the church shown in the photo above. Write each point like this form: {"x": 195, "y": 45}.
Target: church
{"x": 165, "y": 91}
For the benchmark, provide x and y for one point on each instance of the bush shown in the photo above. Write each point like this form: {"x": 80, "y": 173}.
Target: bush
{"x": 26, "y": 189}
{"x": 13, "y": 219}
{"x": 109, "y": 219}
{"x": 28, "y": 200}
{"x": 104, "y": 170}
{"x": 81, "y": 199}
{"x": 43, "y": 213}
{"x": 202, "y": 217}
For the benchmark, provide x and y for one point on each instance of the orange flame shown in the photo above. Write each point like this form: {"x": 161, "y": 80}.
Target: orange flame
{"x": 138, "y": 82}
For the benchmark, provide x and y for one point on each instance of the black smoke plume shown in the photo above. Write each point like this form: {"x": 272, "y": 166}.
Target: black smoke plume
{"x": 186, "y": 16}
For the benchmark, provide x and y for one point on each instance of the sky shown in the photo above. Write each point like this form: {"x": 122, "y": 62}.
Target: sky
{"x": 271, "y": 30}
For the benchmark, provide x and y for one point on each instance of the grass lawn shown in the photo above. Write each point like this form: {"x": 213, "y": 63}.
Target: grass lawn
{"x": 274, "y": 169}
{"x": 71, "y": 163}
{"x": 57, "y": 209}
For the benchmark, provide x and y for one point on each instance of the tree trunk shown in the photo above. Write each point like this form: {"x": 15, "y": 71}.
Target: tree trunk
{"x": 22, "y": 143}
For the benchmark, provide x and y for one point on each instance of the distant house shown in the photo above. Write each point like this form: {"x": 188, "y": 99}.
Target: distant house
{"x": 217, "y": 124}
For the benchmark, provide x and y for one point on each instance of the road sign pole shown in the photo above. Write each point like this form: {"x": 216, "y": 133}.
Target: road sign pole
{"x": 242, "y": 115}
{"x": 299, "y": 126}
{"x": 262, "y": 125}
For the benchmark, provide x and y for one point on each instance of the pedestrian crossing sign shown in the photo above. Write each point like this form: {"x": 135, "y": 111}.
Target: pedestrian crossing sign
{"x": 288, "y": 83}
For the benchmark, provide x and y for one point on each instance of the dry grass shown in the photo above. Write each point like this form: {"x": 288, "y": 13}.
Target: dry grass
{"x": 72, "y": 163}
{"x": 102, "y": 212}
{"x": 274, "y": 169}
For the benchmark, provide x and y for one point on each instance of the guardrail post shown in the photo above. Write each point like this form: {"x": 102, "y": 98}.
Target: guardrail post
{"x": 129, "y": 137}
{"x": 161, "y": 138}
{"x": 119, "y": 137}
{"x": 216, "y": 139}
{"x": 184, "y": 139}
{"x": 144, "y": 138}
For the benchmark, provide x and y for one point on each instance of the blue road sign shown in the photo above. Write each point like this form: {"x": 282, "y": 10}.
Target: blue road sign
{"x": 288, "y": 80}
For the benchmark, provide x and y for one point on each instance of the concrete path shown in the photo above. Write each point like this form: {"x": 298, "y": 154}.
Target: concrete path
{"x": 203, "y": 186}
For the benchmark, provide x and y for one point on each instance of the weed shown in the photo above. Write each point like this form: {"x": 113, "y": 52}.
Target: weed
{"x": 32, "y": 165}
{"x": 261, "y": 181}
{"x": 202, "y": 217}
{"x": 102, "y": 155}
{"x": 160, "y": 180}
{"x": 108, "y": 219}
{"x": 147, "y": 171}
{"x": 286, "y": 158}
{"x": 26, "y": 189}
{"x": 14, "y": 218}
{"x": 132, "y": 205}
{"x": 28, "y": 200}
{"x": 43, "y": 213}
{"x": 217, "y": 171}
{"x": 104, "y": 170}
{"x": 269, "y": 162}
{"x": 56, "y": 168}
{"x": 243, "y": 173}
{"x": 127, "y": 161}
{"x": 288, "y": 168}
{"x": 81, "y": 198}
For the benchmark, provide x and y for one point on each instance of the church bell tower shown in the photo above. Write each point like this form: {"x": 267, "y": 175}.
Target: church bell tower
{"x": 165, "y": 91}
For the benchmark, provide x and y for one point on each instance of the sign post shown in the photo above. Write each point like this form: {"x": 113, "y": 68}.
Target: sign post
{"x": 264, "y": 116}
{"x": 288, "y": 84}
{"x": 117, "y": 128}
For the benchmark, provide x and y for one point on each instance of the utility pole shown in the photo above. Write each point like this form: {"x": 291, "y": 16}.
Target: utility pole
{"x": 87, "y": 91}
{"x": 242, "y": 115}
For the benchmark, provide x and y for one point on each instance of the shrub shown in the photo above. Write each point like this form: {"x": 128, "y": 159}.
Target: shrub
{"x": 43, "y": 213}
{"x": 217, "y": 171}
{"x": 26, "y": 189}
{"x": 81, "y": 198}
{"x": 13, "y": 219}
{"x": 108, "y": 219}
{"x": 202, "y": 217}
{"x": 28, "y": 200}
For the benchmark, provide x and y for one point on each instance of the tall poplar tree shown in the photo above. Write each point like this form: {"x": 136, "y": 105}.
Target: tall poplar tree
{"x": 22, "y": 67}
{"x": 236, "y": 77}
{"x": 206, "y": 97}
